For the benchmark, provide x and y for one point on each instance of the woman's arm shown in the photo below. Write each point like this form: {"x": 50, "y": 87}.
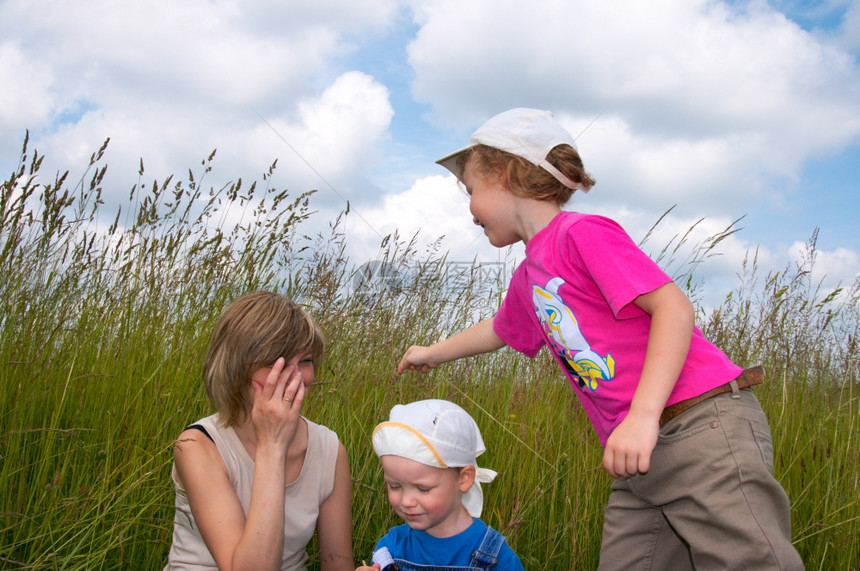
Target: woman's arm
{"x": 479, "y": 338}
{"x": 334, "y": 525}
{"x": 255, "y": 542}
{"x": 216, "y": 508}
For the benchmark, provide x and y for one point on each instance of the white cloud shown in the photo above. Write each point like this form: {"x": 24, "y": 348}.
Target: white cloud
{"x": 192, "y": 53}
{"x": 433, "y": 208}
{"x": 343, "y": 126}
{"x": 832, "y": 268}
{"x": 850, "y": 36}
{"x": 640, "y": 169}
{"x": 169, "y": 82}
{"x": 20, "y": 107}
{"x": 329, "y": 143}
{"x": 704, "y": 99}
{"x": 330, "y": 140}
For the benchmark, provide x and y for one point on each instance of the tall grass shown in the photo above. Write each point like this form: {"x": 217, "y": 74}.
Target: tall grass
{"x": 106, "y": 313}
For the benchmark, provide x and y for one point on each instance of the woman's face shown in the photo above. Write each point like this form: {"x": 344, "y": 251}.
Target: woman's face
{"x": 301, "y": 362}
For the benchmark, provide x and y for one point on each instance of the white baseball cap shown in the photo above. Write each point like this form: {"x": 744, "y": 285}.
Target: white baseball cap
{"x": 527, "y": 133}
{"x": 436, "y": 433}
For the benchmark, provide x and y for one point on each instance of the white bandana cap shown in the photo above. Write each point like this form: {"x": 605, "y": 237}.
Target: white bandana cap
{"x": 527, "y": 133}
{"x": 436, "y": 433}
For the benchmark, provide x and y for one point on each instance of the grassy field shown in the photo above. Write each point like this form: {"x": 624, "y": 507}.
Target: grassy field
{"x": 106, "y": 312}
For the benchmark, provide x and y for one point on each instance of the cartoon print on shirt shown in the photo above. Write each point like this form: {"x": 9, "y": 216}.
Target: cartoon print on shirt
{"x": 562, "y": 329}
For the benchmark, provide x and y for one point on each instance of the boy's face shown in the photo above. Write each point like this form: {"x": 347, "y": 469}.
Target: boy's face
{"x": 428, "y": 498}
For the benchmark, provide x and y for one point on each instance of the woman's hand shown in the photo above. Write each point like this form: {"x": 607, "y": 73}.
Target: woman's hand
{"x": 277, "y": 404}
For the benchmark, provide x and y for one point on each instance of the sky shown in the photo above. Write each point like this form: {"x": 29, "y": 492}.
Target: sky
{"x": 718, "y": 110}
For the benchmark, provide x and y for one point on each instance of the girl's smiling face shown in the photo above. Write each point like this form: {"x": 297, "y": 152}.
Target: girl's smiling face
{"x": 492, "y": 206}
{"x": 427, "y": 498}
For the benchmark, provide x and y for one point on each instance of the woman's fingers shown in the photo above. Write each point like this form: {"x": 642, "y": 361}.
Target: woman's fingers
{"x": 277, "y": 403}
{"x": 269, "y": 386}
{"x": 290, "y": 385}
{"x": 281, "y": 391}
{"x": 298, "y": 396}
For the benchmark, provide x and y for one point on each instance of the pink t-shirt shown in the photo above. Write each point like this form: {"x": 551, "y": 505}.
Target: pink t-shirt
{"x": 574, "y": 293}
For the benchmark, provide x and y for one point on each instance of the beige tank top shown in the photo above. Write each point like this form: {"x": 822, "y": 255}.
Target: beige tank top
{"x": 301, "y": 503}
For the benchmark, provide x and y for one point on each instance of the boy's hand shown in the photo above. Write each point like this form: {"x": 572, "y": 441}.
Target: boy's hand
{"x": 374, "y": 567}
{"x": 629, "y": 447}
{"x": 417, "y": 358}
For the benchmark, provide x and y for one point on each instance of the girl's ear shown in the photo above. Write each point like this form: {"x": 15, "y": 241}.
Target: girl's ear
{"x": 467, "y": 478}
{"x": 503, "y": 179}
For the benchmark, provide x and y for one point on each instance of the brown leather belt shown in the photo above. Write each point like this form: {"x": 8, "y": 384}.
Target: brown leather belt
{"x": 750, "y": 377}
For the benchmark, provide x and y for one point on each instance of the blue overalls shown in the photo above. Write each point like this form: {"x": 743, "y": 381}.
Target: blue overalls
{"x": 485, "y": 557}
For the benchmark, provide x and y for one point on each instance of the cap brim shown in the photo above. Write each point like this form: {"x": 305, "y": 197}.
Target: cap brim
{"x": 450, "y": 162}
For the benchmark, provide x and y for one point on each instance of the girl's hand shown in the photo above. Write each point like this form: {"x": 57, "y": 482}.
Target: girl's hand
{"x": 479, "y": 338}
{"x": 417, "y": 358}
{"x": 374, "y": 567}
{"x": 629, "y": 447}
{"x": 277, "y": 405}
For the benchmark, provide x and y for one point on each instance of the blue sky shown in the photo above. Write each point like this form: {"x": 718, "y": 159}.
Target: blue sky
{"x": 721, "y": 109}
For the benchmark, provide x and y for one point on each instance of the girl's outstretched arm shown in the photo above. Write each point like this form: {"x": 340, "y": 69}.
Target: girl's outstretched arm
{"x": 629, "y": 447}
{"x": 479, "y": 338}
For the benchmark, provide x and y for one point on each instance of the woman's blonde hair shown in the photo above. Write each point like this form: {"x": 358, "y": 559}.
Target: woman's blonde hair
{"x": 253, "y": 332}
{"x": 526, "y": 179}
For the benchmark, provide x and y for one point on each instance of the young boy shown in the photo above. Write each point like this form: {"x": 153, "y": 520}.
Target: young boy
{"x": 428, "y": 452}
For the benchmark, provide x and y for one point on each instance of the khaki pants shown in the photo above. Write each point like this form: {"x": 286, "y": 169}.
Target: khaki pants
{"x": 709, "y": 501}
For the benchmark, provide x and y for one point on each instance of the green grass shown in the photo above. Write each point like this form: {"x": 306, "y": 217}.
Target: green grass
{"x": 106, "y": 313}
